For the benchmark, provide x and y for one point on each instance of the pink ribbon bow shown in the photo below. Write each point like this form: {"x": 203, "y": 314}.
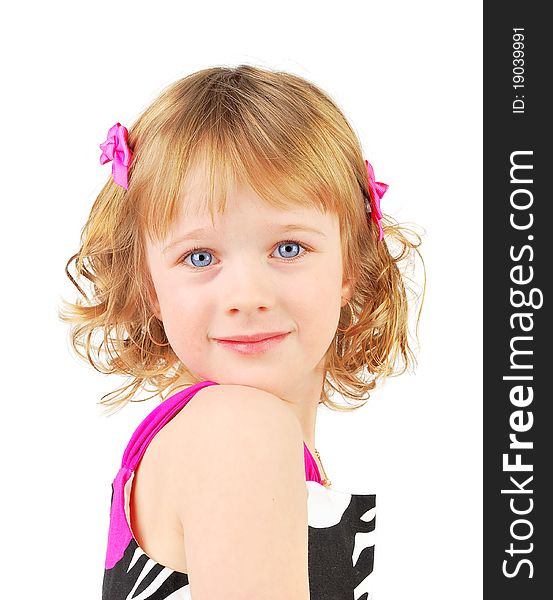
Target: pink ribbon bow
{"x": 115, "y": 148}
{"x": 376, "y": 190}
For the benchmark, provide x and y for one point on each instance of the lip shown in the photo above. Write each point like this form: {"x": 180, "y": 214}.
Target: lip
{"x": 256, "y": 337}
{"x": 265, "y": 342}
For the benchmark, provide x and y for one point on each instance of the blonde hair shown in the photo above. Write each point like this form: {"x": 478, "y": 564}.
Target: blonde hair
{"x": 274, "y": 131}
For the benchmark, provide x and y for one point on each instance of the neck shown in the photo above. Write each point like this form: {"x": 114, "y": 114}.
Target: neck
{"x": 303, "y": 401}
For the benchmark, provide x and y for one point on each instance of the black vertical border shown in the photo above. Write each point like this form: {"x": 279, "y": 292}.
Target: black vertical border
{"x": 505, "y": 132}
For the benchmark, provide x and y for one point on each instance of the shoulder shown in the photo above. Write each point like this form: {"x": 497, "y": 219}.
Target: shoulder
{"x": 226, "y": 427}
{"x": 238, "y": 487}
{"x": 236, "y": 442}
{"x": 218, "y": 403}
{"x": 227, "y": 422}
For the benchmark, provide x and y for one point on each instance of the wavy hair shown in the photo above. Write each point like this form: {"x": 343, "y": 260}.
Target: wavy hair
{"x": 275, "y": 131}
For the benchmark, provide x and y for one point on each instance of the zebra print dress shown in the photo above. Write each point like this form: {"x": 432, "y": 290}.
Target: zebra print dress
{"x": 340, "y": 536}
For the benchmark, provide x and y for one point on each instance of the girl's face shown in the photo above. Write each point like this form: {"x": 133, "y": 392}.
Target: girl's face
{"x": 258, "y": 270}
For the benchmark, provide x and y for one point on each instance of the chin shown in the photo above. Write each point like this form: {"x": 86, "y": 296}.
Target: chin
{"x": 268, "y": 382}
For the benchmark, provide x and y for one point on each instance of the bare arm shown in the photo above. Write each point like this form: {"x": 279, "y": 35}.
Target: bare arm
{"x": 242, "y": 498}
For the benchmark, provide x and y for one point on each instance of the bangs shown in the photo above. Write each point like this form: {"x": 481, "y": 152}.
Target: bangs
{"x": 280, "y": 144}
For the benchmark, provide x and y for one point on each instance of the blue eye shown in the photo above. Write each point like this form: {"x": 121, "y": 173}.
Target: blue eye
{"x": 289, "y": 247}
{"x": 201, "y": 257}
{"x": 204, "y": 258}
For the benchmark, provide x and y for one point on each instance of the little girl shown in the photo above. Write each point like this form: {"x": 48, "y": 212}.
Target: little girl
{"x": 240, "y": 267}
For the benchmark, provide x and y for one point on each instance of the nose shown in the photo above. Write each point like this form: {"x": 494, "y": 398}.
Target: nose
{"x": 247, "y": 286}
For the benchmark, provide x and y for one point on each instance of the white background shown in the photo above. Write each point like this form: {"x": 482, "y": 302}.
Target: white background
{"x": 408, "y": 76}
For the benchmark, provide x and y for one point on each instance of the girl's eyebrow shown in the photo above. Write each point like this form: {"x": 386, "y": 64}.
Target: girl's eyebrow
{"x": 196, "y": 234}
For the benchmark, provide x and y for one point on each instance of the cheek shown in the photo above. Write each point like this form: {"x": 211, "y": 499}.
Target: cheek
{"x": 185, "y": 334}
{"x": 184, "y": 319}
{"x": 318, "y": 304}
{"x": 181, "y": 313}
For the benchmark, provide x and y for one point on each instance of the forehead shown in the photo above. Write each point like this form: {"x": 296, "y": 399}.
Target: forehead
{"x": 208, "y": 189}
{"x": 203, "y": 196}
{"x": 244, "y": 212}
{"x": 247, "y": 213}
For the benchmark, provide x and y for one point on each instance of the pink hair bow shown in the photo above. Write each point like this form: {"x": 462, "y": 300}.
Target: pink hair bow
{"x": 115, "y": 148}
{"x": 376, "y": 191}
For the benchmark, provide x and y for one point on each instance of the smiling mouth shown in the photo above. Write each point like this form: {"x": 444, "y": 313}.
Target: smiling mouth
{"x": 256, "y": 337}
{"x": 253, "y": 347}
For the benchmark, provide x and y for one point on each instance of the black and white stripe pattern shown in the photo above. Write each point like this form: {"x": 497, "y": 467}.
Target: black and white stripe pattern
{"x": 341, "y": 555}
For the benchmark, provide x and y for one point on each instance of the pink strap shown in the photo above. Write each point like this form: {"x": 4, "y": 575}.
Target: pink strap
{"x": 162, "y": 414}
{"x": 311, "y": 469}
{"x": 119, "y": 533}
{"x": 155, "y": 421}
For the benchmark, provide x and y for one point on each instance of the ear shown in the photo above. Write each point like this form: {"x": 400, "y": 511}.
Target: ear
{"x": 347, "y": 291}
{"x": 155, "y": 308}
{"x": 154, "y": 302}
